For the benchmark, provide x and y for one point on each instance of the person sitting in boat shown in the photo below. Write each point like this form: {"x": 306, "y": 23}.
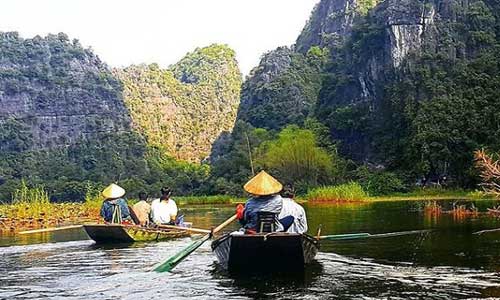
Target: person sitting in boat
{"x": 265, "y": 199}
{"x": 164, "y": 209}
{"x": 114, "y": 209}
{"x": 142, "y": 209}
{"x": 292, "y": 208}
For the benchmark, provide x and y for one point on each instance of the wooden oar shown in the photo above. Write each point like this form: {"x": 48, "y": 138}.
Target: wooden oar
{"x": 50, "y": 229}
{"x": 487, "y": 231}
{"x": 171, "y": 262}
{"x": 364, "y": 235}
{"x": 196, "y": 230}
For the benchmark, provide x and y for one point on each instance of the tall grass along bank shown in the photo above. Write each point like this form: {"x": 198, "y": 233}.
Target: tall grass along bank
{"x": 348, "y": 192}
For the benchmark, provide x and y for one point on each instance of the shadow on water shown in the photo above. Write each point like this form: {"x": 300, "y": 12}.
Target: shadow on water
{"x": 268, "y": 284}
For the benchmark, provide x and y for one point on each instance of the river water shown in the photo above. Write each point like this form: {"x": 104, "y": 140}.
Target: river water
{"x": 446, "y": 263}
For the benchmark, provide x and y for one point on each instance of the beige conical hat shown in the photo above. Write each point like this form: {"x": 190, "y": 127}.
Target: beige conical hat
{"x": 113, "y": 191}
{"x": 263, "y": 184}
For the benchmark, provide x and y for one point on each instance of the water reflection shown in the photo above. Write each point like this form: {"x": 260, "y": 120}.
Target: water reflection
{"x": 447, "y": 263}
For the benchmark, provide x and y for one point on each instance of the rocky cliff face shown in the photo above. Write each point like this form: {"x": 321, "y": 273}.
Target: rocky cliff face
{"x": 59, "y": 91}
{"x": 183, "y": 109}
{"x": 283, "y": 89}
{"x": 397, "y": 83}
{"x": 331, "y": 23}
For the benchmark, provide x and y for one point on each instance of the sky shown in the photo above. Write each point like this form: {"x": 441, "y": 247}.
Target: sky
{"x": 124, "y": 32}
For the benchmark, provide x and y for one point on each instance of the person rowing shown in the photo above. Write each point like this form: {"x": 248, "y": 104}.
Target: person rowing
{"x": 260, "y": 213}
{"x": 114, "y": 209}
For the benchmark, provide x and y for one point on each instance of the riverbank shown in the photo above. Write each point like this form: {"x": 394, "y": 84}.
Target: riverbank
{"x": 36, "y": 213}
{"x": 434, "y": 194}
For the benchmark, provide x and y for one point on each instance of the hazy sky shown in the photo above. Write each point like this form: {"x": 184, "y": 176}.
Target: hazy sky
{"x": 124, "y": 32}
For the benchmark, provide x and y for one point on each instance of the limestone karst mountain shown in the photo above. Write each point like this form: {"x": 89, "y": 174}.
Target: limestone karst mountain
{"x": 186, "y": 107}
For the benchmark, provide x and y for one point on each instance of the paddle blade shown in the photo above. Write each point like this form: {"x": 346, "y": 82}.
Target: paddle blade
{"x": 171, "y": 262}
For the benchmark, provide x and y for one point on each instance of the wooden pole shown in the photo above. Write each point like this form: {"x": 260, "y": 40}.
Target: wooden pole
{"x": 50, "y": 229}
{"x": 487, "y": 231}
{"x": 196, "y": 230}
{"x": 364, "y": 235}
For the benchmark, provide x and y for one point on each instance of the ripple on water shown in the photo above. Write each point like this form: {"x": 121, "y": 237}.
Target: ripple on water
{"x": 79, "y": 270}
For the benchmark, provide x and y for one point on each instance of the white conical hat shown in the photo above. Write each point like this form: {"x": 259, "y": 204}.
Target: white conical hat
{"x": 263, "y": 184}
{"x": 113, "y": 191}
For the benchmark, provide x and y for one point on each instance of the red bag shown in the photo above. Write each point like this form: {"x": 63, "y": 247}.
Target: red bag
{"x": 240, "y": 211}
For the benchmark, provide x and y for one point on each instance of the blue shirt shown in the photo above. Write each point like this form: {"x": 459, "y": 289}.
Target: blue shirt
{"x": 272, "y": 204}
{"x": 108, "y": 207}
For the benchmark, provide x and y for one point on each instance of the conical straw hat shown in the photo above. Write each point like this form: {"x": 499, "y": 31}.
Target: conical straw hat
{"x": 113, "y": 191}
{"x": 263, "y": 184}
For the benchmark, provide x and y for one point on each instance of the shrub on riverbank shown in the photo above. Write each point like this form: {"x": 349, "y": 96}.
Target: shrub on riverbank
{"x": 218, "y": 199}
{"x": 348, "y": 192}
{"x": 434, "y": 194}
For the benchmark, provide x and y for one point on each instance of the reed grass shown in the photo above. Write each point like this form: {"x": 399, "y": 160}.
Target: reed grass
{"x": 217, "y": 199}
{"x": 435, "y": 194}
{"x": 31, "y": 208}
{"x": 30, "y": 202}
{"x": 93, "y": 197}
{"x": 433, "y": 207}
{"x": 348, "y": 192}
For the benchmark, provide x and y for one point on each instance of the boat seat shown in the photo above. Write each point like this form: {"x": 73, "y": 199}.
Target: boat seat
{"x": 266, "y": 221}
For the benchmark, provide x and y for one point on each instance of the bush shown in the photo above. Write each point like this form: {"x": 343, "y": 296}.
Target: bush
{"x": 296, "y": 157}
{"x": 347, "y": 192}
{"x": 380, "y": 183}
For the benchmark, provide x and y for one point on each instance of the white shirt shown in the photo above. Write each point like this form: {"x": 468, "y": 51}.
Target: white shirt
{"x": 291, "y": 208}
{"x": 163, "y": 211}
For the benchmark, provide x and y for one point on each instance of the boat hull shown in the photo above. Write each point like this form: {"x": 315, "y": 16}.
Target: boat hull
{"x": 116, "y": 233}
{"x": 265, "y": 252}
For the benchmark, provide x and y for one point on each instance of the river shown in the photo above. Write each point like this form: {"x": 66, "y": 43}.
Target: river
{"x": 446, "y": 263}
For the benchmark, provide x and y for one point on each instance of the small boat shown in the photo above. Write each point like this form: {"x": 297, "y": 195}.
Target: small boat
{"x": 118, "y": 233}
{"x": 265, "y": 251}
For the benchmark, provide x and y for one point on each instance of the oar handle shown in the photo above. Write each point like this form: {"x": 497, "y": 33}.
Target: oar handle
{"x": 50, "y": 229}
{"x": 196, "y": 230}
{"x": 227, "y": 222}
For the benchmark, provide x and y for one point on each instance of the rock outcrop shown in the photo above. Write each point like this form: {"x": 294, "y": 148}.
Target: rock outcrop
{"x": 183, "y": 109}
{"x": 394, "y": 67}
{"x": 59, "y": 90}
{"x": 283, "y": 89}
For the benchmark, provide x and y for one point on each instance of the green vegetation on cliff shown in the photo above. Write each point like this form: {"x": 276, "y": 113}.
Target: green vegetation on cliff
{"x": 408, "y": 93}
{"x": 183, "y": 109}
{"x": 58, "y": 90}
{"x": 426, "y": 117}
{"x": 65, "y": 125}
{"x": 283, "y": 89}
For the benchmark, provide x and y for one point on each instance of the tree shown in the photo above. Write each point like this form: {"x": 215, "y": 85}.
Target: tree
{"x": 295, "y": 157}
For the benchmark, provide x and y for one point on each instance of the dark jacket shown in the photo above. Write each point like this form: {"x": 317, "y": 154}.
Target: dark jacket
{"x": 272, "y": 204}
{"x": 108, "y": 207}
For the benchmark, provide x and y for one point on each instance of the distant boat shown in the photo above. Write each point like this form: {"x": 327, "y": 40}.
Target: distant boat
{"x": 265, "y": 251}
{"x": 117, "y": 233}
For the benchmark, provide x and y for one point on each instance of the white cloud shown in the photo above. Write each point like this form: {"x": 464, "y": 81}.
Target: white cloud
{"x": 124, "y": 32}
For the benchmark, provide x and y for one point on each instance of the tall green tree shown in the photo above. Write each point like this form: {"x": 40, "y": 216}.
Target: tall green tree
{"x": 295, "y": 157}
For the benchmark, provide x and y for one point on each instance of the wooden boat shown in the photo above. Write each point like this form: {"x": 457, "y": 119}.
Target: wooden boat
{"x": 265, "y": 251}
{"x": 117, "y": 233}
